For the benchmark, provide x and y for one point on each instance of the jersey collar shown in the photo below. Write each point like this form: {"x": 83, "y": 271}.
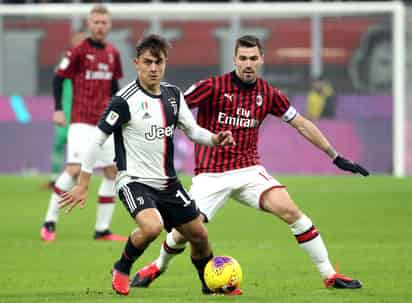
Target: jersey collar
{"x": 239, "y": 83}
{"x": 95, "y": 44}
{"x": 146, "y": 92}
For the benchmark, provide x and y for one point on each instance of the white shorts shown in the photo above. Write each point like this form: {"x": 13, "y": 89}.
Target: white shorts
{"x": 77, "y": 141}
{"x": 247, "y": 185}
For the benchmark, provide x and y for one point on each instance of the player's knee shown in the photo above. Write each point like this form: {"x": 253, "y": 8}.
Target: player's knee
{"x": 151, "y": 231}
{"x": 110, "y": 172}
{"x": 289, "y": 213}
{"x": 199, "y": 236}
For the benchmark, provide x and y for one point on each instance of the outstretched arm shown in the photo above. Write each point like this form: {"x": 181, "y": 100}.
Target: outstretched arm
{"x": 78, "y": 194}
{"x": 309, "y": 130}
{"x": 199, "y": 134}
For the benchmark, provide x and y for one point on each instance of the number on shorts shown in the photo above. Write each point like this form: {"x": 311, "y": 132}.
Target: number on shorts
{"x": 180, "y": 195}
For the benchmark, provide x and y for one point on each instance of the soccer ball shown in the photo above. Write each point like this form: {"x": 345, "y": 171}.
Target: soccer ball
{"x": 223, "y": 274}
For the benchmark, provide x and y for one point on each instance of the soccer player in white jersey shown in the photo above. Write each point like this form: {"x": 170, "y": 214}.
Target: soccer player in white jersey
{"x": 239, "y": 101}
{"x": 143, "y": 117}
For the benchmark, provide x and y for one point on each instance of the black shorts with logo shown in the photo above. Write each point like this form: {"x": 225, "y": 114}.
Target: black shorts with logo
{"x": 174, "y": 204}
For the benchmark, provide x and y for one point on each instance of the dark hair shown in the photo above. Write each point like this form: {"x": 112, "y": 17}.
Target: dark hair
{"x": 248, "y": 41}
{"x": 155, "y": 43}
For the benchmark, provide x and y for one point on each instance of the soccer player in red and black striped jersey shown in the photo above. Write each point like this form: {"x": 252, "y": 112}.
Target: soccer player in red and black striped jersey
{"x": 94, "y": 67}
{"x": 239, "y": 101}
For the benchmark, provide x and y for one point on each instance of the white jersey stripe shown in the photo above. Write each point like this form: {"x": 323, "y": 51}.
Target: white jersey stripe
{"x": 129, "y": 198}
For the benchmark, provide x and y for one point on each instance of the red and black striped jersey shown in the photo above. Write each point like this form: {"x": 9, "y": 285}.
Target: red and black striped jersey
{"x": 227, "y": 103}
{"x": 92, "y": 67}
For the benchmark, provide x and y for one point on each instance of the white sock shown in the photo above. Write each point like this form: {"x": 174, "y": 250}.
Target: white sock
{"x": 64, "y": 183}
{"x": 311, "y": 242}
{"x": 105, "y": 206}
{"x": 168, "y": 251}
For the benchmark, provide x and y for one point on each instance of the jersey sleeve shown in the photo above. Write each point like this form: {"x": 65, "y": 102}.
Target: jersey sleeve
{"x": 189, "y": 126}
{"x": 116, "y": 114}
{"x": 118, "y": 69}
{"x": 280, "y": 105}
{"x": 69, "y": 64}
{"x": 198, "y": 93}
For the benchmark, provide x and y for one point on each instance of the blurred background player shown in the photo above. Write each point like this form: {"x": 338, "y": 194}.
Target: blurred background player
{"x": 239, "y": 101}
{"x": 94, "y": 68}
{"x": 321, "y": 100}
{"x": 60, "y": 132}
{"x": 143, "y": 117}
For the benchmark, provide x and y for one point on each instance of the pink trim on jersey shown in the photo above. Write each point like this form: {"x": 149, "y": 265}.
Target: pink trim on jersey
{"x": 164, "y": 138}
{"x": 265, "y": 191}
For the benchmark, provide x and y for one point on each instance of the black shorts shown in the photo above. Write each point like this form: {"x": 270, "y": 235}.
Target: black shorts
{"x": 174, "y": 204}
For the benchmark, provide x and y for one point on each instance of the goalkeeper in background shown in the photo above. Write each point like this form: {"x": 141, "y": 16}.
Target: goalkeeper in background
{"x": 60, "y": 132}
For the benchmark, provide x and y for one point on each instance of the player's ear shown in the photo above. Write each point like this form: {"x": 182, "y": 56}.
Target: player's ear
{"x": 136, "y": 61}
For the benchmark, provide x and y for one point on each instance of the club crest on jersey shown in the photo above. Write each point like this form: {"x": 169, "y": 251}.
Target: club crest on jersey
{"x": 173, "y": 102}
{"x": 112, "y": 118}
{"x": 259, "y": 100}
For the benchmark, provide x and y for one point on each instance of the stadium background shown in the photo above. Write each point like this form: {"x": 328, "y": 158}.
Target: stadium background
{"x": 357, "y": 61}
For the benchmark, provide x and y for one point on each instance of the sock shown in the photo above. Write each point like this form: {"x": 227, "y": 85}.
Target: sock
{"x": 105, "y": 206}
{"x": 168, "y": 251}
{"x": 310, "y": 240}
{"x": 130, "y": 254}
{"x": 200, "y": 267}
{"x": 63, "y": 183}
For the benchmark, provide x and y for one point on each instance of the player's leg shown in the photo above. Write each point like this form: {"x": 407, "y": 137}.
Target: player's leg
{"x": 210, "y": 193}
{"x": 63, "y": 183}
{"x": 105, "y": 206}
{"x": 78, "y": 138}
{"x": 262, "y": 191}
{"x": 150, "y": 223}
{"x": 201, "y": 251}
{"x": 279, "y": 203}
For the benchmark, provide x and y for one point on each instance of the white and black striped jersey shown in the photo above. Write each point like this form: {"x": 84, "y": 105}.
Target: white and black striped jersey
{"x": 144, "y": 126}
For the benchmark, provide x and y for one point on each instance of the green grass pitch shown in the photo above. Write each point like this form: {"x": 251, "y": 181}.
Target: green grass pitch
{"x": 365, "y": 222}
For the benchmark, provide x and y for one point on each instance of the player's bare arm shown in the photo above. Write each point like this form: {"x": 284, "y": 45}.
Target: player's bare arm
{"x": 78, "y": 194}
{"x": 311, "y": 133}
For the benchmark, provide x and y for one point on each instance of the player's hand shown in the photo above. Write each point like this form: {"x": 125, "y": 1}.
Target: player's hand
{"x": 59, "y": 118}
{"x": 348, "y": 165}
{"x": 223, "y": 138}
{"x": 71, "y": 198}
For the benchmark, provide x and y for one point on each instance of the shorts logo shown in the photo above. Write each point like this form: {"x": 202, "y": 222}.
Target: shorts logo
{"x": 140, "y": 200}
{"x": 112, "y": 118}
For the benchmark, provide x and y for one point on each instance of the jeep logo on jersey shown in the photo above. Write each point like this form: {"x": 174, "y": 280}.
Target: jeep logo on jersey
{"x": 159, "y": 132}
{"x": 173, "y": 102}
